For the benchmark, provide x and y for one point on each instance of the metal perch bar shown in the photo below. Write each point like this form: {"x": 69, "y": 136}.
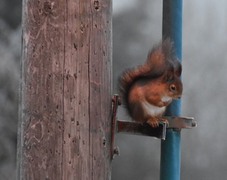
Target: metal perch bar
{"x": 141, "y": 129}
{"x": 145, "y": 129}
{"x": 137, "y": 128}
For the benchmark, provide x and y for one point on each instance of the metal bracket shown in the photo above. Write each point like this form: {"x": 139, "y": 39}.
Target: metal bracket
{"x": 181, "y": 122}
{"x": 141, "y": 129}
{"x": 137, "y": 128}
{"x": 115, "y": 103}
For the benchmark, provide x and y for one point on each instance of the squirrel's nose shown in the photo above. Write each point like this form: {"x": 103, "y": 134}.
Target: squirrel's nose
{"x": 178, "y": 97}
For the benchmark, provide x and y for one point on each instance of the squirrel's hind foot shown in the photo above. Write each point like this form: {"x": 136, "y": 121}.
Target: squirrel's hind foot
{"x": 154, "y": 121}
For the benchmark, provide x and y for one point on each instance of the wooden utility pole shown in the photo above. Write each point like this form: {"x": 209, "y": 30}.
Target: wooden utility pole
{"x": 65, "y": 103}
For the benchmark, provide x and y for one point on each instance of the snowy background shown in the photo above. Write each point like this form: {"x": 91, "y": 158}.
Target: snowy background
{"x": 136, "y": 28}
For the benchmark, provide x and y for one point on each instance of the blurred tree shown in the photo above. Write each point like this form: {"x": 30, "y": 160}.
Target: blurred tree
{"x": 9, "y": 76}
{"x": 10, "y": 11}
{"x": 10, "y": 18}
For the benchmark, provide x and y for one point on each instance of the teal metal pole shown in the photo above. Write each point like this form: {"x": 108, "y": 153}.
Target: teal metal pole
{"x": 171, "y": 147}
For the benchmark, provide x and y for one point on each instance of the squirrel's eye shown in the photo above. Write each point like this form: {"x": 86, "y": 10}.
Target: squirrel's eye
{"x": 172, "y": 88}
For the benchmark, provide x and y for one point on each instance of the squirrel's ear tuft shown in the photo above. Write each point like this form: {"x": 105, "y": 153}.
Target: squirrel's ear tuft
{"x": 169, "y": 74}
{"x": 178, "y": 68}
{"x": 169, "y": 52}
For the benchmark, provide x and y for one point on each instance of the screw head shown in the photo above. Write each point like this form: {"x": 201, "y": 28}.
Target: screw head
{"x": 116, "y": 151}
{"x": 194, "y": 124}
{"x": 119, "y": 102}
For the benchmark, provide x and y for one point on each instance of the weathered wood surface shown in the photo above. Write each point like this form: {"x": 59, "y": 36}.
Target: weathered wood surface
{"x": 64, "y": 129}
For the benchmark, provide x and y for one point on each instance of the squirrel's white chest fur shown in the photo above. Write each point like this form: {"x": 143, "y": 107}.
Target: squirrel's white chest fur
{"x": 153, "y": 110}
{"x": 166, "y": 99}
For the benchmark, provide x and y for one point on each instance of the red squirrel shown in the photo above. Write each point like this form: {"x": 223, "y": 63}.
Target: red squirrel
{"x": 149, "y": 88}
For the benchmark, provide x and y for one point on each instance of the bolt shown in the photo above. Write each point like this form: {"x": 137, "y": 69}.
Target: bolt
{"x": 116, "y": 151}
{"x": 119, "y": 102}
{"x": 194, "y": 124}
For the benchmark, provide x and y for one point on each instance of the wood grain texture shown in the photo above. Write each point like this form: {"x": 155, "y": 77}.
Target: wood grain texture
{"x": 65, "y": 104}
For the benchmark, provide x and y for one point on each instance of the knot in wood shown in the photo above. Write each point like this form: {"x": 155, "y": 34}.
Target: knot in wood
{"x": 48, "y": 7}
{"x": 96, "y": 5}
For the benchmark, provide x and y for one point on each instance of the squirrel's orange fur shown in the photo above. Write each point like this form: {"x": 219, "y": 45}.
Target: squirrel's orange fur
{"x": 149, "y": 88}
